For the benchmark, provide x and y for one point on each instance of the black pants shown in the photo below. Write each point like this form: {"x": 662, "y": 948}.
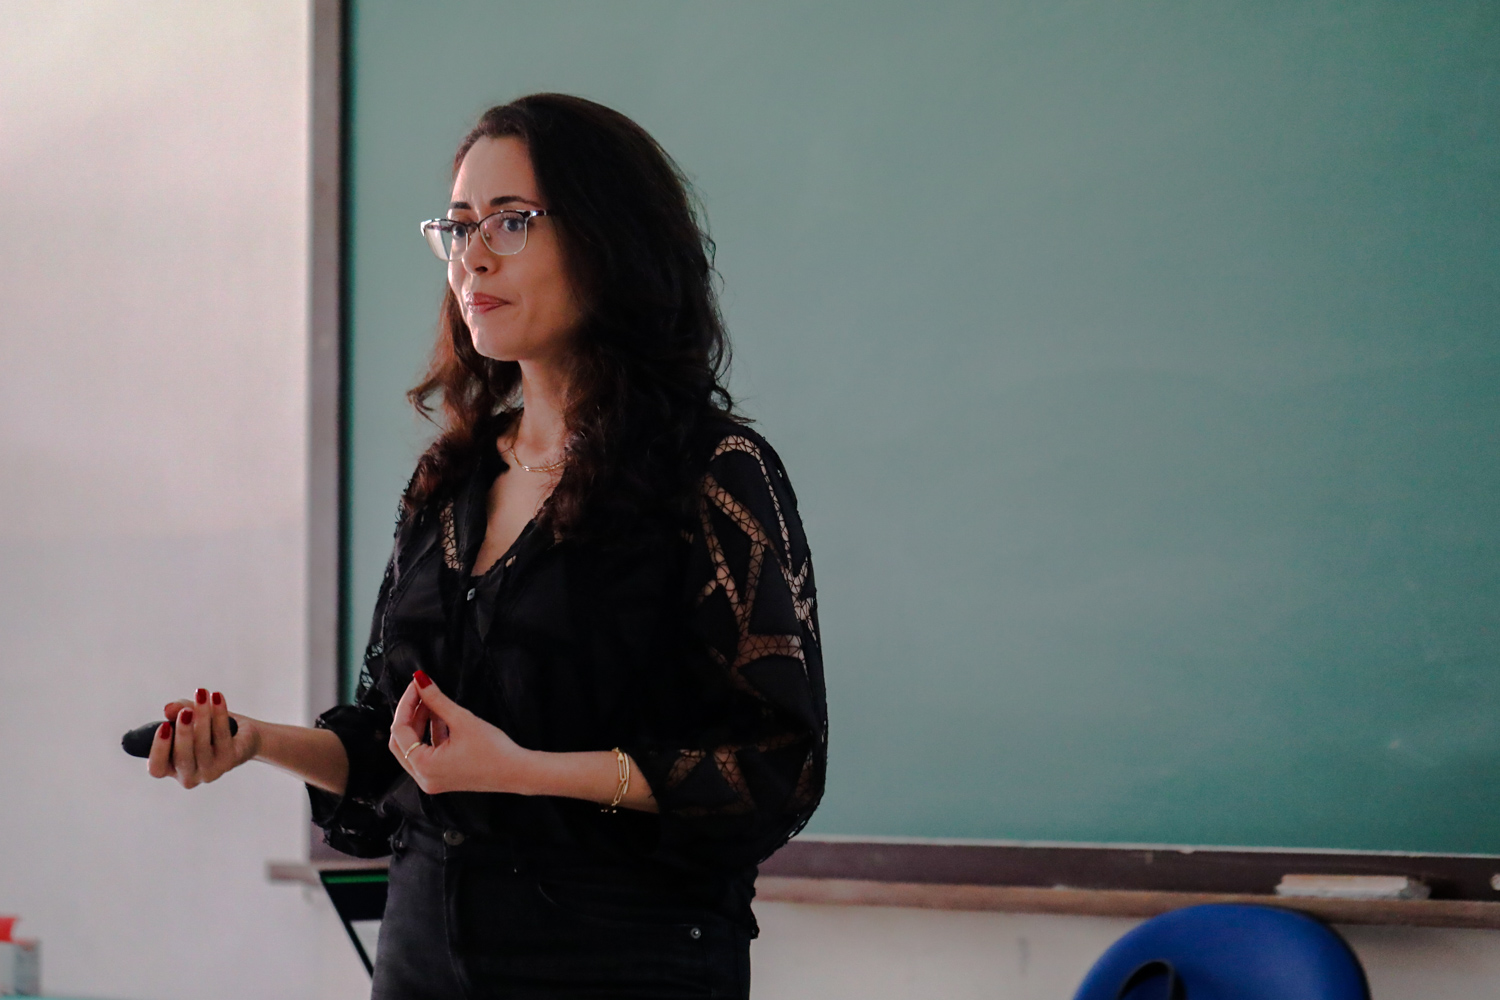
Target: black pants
{"x": 472, "y": 921}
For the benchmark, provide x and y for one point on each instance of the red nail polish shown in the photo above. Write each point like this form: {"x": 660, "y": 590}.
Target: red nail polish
{"x": 187, "y": 717}
{"x": 165, "y": 732}
{"x": 422, "y": 679}
{"x": 202, "y": 696}
{"x": 218, "y": 698}
{"x": 169, "y": 709}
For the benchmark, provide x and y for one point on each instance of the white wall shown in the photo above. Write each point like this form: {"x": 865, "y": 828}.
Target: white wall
{"x": 153, "y": 191}
{"x": 883, "y": 953}
{"x": 153, "y": 187}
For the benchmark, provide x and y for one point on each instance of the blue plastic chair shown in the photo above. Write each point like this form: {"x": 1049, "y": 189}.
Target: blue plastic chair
{"x": 1225, "y": 951}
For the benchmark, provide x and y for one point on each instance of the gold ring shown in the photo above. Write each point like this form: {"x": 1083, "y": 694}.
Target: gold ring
{"x": 406, "y": 754}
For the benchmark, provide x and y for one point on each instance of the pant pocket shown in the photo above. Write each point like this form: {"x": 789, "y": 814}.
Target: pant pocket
{"x": 671, "y": 946}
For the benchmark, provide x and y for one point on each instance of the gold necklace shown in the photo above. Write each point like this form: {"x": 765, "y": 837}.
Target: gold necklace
{"x": 537, "y": 468}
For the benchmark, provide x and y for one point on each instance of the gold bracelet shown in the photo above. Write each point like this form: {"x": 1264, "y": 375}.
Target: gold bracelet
{"x": 623, "y": 763}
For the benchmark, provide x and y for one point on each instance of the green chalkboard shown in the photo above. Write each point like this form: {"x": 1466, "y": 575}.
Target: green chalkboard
{"x": 1137, "y": 364}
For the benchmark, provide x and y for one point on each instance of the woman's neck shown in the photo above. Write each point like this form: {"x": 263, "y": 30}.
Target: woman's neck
{"x": 541, "y": 433}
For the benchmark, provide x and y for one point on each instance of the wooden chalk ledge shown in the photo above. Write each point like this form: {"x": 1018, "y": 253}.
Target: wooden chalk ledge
{"x": 1115, "y": 902}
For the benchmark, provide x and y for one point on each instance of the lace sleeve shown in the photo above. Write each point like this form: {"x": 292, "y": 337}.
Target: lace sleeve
{"x": 752, "y": 771}
{"x": 353, "y": 822}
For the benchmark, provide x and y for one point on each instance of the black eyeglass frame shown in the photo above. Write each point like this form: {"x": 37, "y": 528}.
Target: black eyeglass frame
{"x": 433, "y": 229}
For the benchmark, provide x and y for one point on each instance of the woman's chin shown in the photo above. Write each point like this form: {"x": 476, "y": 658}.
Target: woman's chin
{"x": 541, "y": 349}
{"x": 496, "y": 348}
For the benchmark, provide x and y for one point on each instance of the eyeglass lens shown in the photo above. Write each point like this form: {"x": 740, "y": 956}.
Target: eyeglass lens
{"x": 504, "y": 233}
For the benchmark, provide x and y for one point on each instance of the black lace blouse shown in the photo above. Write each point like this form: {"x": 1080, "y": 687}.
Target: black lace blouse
{"x": 695, "y": 650}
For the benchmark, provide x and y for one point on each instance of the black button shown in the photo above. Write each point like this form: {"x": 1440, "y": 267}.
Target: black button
{"x": 695, "y": 933}
{"x": 453, "y": 837}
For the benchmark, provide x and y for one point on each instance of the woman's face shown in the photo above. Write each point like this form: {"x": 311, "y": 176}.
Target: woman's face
{"x": 520, "y": 307}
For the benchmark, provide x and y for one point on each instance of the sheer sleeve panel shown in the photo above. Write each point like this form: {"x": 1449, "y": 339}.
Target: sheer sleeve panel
{"x": 753, "y": 772}
{"x": 353, "y": 822}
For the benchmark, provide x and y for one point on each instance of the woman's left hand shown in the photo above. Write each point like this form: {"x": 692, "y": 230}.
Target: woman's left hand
{"x": 467, "y": 754}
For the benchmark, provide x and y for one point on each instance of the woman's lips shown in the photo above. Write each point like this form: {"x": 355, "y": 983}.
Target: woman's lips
{"x": 479, "y": 303}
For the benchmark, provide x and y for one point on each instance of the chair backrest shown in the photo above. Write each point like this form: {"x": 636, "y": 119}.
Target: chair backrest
{"x": 1230, "y": 952}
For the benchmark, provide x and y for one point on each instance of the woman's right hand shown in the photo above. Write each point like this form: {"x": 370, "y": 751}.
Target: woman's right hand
{"x": 198, "y": 747}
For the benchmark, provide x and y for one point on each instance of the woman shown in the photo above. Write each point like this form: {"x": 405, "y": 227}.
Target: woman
{"x": 592, "y": 699}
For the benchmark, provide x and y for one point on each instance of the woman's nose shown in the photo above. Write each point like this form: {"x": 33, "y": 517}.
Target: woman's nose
{"x": 477, "y": 257}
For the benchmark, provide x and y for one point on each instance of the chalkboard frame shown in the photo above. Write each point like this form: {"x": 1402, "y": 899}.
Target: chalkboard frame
{"x": 1151, "y": 868}
{"x": 1108, "y": 879}
{"x": 327, "y": 451}
{"x": 1093, "y": 880}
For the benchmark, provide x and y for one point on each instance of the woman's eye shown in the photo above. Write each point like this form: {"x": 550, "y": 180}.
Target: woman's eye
{"x": 512, "y": 224}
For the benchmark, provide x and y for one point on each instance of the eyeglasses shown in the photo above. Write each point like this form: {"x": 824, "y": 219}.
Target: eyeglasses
{"x": 504, "y": 233}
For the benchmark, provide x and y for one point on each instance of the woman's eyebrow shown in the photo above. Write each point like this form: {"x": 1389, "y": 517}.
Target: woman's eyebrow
{"x": 499, "y": 202}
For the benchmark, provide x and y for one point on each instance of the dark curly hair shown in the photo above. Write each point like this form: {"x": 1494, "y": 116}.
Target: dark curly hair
{"x": 652, "y": 354}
